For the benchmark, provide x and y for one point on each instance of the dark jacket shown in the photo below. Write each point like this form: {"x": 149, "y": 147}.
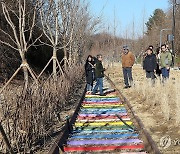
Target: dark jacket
{"x": 150, "y": 63}
{"x": 89, "y": 72}
{"x": 99, "y": 70}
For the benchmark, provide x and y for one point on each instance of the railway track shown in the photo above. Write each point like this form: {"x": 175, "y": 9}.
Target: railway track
{"x": 104, "y": 124}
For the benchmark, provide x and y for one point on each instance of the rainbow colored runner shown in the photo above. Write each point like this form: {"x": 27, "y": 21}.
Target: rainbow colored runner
{"x": 97, "y": 127}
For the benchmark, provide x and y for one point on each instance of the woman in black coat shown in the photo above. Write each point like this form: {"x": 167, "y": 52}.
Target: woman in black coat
{"x": 89, "y": 70}
{"x": 150, "y": 64}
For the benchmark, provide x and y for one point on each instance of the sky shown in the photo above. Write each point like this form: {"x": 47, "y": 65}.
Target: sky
{"x": 125, "y": 12}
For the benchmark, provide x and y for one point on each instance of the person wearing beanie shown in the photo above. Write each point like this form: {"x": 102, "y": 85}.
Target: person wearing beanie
{"x": 127, "y": 63}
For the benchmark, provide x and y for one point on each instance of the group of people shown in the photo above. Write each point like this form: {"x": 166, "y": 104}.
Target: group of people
{"x": 94, "y": 71}
{"x": 158, "y": 63}
{"x": 153, "y": 63}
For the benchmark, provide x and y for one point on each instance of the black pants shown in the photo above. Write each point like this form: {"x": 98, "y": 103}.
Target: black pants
{"x": 150, "y": 74}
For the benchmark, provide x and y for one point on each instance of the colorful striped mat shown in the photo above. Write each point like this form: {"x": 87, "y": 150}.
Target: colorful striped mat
{"x": 97, "y": 128}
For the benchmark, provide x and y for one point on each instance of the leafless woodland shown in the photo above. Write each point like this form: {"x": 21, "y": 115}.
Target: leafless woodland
{"x": 43, "y": 46}
{"x": 31, "y": 111}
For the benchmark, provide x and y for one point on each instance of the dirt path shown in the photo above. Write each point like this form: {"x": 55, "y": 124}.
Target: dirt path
{"x": 149, "y": 108}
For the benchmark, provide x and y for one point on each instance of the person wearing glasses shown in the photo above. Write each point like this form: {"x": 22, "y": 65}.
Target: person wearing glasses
{"x": 127, "y": 63}
{"x": 99, "y": 74}
{"x": 165, "y": 61}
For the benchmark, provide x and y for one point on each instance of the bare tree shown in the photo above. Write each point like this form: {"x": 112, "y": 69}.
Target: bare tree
{"x": 50, "y": 20}
{"x": 21, "y": 37}
{"x": 64, "y": 23}
{"x": 69, "y": 12}
{"x": 85, "y": 26}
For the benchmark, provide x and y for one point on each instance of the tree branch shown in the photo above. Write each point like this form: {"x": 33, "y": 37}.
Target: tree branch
{"x": 8, "y": 44}
{"x": 8, "y": 36}
{"x": 34, "y": 42}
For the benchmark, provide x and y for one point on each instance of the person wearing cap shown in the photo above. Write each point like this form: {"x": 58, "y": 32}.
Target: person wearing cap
{"x": 127, "y": 63}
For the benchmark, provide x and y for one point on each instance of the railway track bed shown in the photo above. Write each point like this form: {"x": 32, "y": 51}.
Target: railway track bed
{"x": 104, "y": 124}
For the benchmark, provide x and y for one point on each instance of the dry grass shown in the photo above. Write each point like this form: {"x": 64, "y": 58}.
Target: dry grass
{"x": 32, "y": 118}
{"x": 163, "y": 96}
{"x": 157, "y": 106}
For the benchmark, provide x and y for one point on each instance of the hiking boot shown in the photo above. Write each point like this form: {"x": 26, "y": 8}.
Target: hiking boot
{"x": 126, "y": 87}
{"x": 88, "y": 92}
{"x": 102, "y": 94}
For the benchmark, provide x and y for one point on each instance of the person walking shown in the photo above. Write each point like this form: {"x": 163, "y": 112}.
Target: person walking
{"x": 150, "y": 65}
{"x": 165, "y": 62}
{"x": 89, "y": 68}
{"x": 99, "y": 74}
{"x": 127, "y": 63}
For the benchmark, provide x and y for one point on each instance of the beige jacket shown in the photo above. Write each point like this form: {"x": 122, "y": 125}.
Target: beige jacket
{"x": 128, "y": 59}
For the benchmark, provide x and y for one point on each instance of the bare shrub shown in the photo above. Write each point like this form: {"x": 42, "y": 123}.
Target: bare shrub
{"x": 29, "y": 119}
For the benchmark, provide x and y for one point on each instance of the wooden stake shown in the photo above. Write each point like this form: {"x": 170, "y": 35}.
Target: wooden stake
{"x": 10, "y": 79}
{"x": 44, "y": 68}
{"x": 20, "y": 67}
{"x": 6, "y": 139}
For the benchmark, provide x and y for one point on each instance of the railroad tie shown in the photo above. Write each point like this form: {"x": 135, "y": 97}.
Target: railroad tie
{"x": 103, "y": 124}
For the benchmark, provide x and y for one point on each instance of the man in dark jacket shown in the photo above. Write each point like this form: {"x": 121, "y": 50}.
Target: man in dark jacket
{"x": 150, "y": 64}
{"x": 99, "y": 74}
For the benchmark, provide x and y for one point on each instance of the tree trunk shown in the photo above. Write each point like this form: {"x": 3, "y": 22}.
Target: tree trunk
{"x": 25, "y": 69}
{"x": 26, "y": 76}
{"x": 70, "y": 58}
{"x": 54, "y": 63}
{"x": 65, "y": 54}
{"x": 75, "y": 56}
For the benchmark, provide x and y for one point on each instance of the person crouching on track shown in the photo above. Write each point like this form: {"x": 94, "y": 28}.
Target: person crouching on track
{"x": 89, "y": 68}
{"x": 150, "y": 65}
{"x": 127, "y": 63}
{"x": 99, "y": 74}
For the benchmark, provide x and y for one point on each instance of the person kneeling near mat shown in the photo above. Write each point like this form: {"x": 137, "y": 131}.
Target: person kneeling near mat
{"x": 99, "y": 74}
